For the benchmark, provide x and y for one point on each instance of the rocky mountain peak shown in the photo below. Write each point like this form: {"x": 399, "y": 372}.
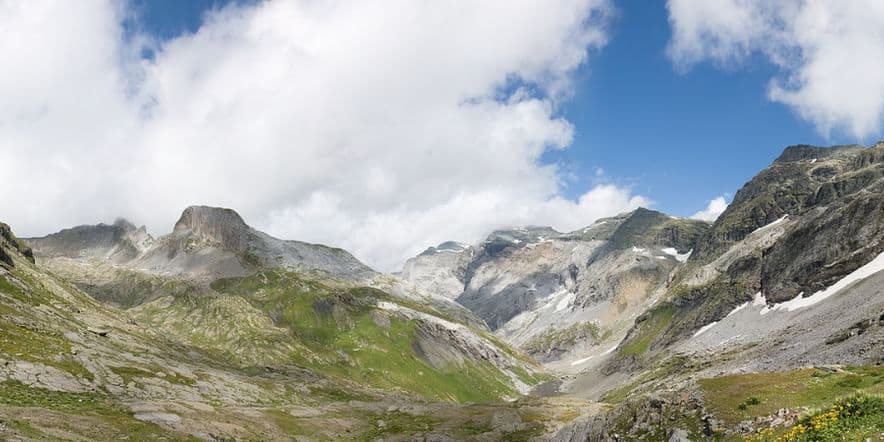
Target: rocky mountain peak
{"x": 120, "y": 241}
{"x": 125, "y": 225}
{"x": 802, "y": 152}
{"x": 519, "y": 235}
{"x": 218, "y": 224}
{"x": 645, "y": 227}
{"x": 447, "y": 246}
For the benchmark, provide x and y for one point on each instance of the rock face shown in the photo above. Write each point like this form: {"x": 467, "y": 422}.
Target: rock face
{"x": 561, "y": 294}
{"x": 810, "y": 219}
{"x": 206, "y": 243}
{"x": 223, "y": 226}
{"x": 117, "y": 242}
{"x": 441, "y": 269}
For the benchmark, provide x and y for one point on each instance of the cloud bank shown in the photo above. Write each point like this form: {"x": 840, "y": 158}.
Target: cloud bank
{"x": 828, "y": 53}
{"x": 380, "y": 127}
{"x": 712, "y": 211}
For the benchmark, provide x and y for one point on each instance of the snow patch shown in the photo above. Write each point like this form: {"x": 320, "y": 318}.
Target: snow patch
{"x": 553, "y": 298}
{"x": 779, "y": 220}
{"x": 704, "y": 328}
{"x": 609, "y": 350}
{"x": 555, "y": 295}
{"x": 638, "y": 249}
{"x": 740, "y": 307}
{"x": 680, "y": 257}
{"x": 813, "y": 160}
{"x": 759, "y": 300}
{"x": 580, "y": 361}
{"x": 875, "y": 266}
{"x": 565, "y": 302}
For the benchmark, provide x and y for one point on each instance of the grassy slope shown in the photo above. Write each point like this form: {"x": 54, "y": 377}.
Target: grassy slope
{"x": 791, "y": 389}
{"x": 21, "y": 335}
{"x": 27, "y": 410}
{"x": 335, "y": 331}
{"x": 858, "y": 417}
{"x": 656, "y": 322}
{"x": 817, "y": 395}
{"x": 84, "y": 412}
{"x": 332, "y": 323}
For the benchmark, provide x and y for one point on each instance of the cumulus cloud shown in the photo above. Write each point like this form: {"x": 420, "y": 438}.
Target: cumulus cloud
{"x": 380, "y": 127}
{"x": 828, "y": 53}
{"x": 712, "y": 211}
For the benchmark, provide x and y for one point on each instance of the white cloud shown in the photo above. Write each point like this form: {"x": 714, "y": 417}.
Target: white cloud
{"x": 828, "y": 52}
{"x": 380, "y": 127}
{"x": 712, "y": 211}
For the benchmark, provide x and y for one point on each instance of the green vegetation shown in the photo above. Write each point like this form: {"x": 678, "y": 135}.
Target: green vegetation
{"x": 131, "y": 374}
{"x": 10, "y": 288}
{"x": 28, "y": 291}
{"x": 661, "y": 370}
{"x": 337, "y": 394}
{"x": 752, "y": 400}
{"x": 287, "y": 423}
{"x": 650, "y": 328}
{"x": 128, "y": 289}
{"x": 473, "y": 428}
{"x": 398, "y": 423}
{"x": 250, "y": 259}
{"x": 857, "y": 417}
{"x": 531, "y": 431}
{"x": 683, "y": 311}
{"x": 22, "y": 339}
{"x": 345, "y": 335}
{"x": 20, "y": 395}
{"x": 566, "y": 337}
{"x": 98, "y": 414}
{"x": 530, "y": 378}
{"x": 499, "y": 343}
{"x": 762, "y": 394}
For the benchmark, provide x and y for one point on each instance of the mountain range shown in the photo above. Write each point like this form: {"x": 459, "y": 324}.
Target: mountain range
{"x": 640, "y": 326}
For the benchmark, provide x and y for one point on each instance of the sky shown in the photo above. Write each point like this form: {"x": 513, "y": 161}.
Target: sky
{"x": 386, "y": 127}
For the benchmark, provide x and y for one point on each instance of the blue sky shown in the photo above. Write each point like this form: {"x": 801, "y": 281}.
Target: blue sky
{"x": 166, "y": 19}
{"x": 682, "y": 139}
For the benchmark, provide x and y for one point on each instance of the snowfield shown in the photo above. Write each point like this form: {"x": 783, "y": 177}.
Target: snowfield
{"x": 680, "y": 257}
